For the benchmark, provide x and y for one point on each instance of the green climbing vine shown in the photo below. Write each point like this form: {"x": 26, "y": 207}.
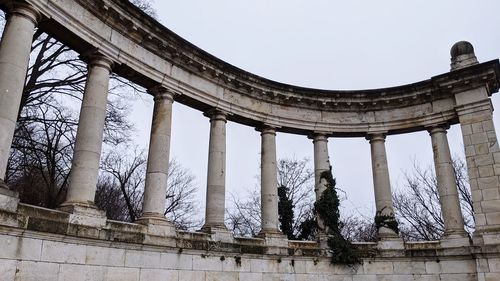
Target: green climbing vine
{"x": 386, "y": 220}
{"x": 327, "y": 208}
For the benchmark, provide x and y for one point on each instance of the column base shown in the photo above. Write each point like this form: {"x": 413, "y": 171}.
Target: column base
{"x": 273, "y": 238}
{"x": 218, "y": 232}
{"x": 158, "y": 226}
{"x": 455, "y": 239}
{"x": 389, "y": 240}
{"x": 84, "y": 214}
{"x": 9, "y": 199}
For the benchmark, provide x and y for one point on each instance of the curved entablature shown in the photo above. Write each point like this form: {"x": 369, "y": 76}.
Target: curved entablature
{"x": 150, "y": 54}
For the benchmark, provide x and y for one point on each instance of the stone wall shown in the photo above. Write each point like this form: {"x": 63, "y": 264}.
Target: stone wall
{"x": 39, "y": 244}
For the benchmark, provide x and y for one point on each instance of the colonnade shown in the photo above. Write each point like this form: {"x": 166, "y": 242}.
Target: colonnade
{"x": 14, "y": 57}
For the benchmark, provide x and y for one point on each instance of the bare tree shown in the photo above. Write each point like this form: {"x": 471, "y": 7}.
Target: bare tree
{"x": 127, "y": 173}
{"x": 357, "y": 228}
{"x": 243, "y": 218}
{"x": 120, "y": 190}
{"x": 417, "y": 204}
{"x": 244, "y": 214}
{"x": 181, "y": 204}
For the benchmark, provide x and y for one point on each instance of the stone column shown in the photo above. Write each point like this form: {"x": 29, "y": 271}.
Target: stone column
{"x": 321, "y": 164}
{"x": 155, "y": 189}
{"x": 447, "y": 187}
{"x": 15, "y": 51}
{"x": 216, "y": 174}
{"x": 89, "y": 137}
{"x": 269, "y": 182}
{"x": 381, "y": 182}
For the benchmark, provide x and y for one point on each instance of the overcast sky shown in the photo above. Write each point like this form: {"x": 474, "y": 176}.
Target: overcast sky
{"x": 323, "y": 44}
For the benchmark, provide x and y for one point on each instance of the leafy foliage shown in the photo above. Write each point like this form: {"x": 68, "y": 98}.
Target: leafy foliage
{"x": 285, "y": 212}
{"x": 327, "y": 208}
{"x": 387, "y": 221}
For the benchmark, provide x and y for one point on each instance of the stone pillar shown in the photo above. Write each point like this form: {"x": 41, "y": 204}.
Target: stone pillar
{"x": 321, "y": 164}
{"x": 382, "y": 184}
{"x": 155, "y": 189}
{"x": 216, "y": 174}
{"x": 89, "y": 137}
{"x": 15, "y": 50}
{"x": 446, "y": 184}
{"x": 483, "y": 162}
{"x": 269, "y": 182}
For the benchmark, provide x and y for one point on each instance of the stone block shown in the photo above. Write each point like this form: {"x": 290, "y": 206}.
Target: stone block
{"x": 249, "y": 276}
{"x": 489, "y": 206}
{"x": 458, "y": 266}
{"x": 207, "y": 262}
{"x": 477, "y": 138}
{"x": 466, "y": 130}
{"x": 483, "y": 160}
{"x": 187, "y": 275}
{"x": 488, "y": 125}
{"x": 458, "y": 277}
{"x": 378, "y": 267}
{"x": 9, "y": 200}
{"x": 13, "y": 247}
{"x": 105, "y": 256}
{"x": 8, "y": 269}
{"x": 76, "y": 272}
{"x": 488, "y": 182}
{"x": 158, "y": 274}
{"x": 490, "y": 194}
{"x": 492, "y": 276}
{"x": 63, "y": 252}
{"x": 480, "y": 149}
{"x": 477, "y": 195}
{"x": 177, "y": 261}
{"x": 477, "y": 127}
{"x": 257, "y": 265}
{"x": 37, "y": 271}
{"x": 409, "y": 267}
{"x": 493, "y": 218}
{"x": 470, "y": 150}
{"x": 230, "y": 264}
{"x": 122, "y": 274}
{"x": 277, "y": 277}
{"x": 364, "y": 278}
{"x": 486, "y": 171}
{"x": 142, "y": 258}
{"x": 221, "y": 276}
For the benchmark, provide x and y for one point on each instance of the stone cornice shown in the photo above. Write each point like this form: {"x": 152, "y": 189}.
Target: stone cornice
{"x": 150, "y": 54}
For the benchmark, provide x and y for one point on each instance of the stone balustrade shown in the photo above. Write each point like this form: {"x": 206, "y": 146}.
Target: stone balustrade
{"x": 175, "y": 70}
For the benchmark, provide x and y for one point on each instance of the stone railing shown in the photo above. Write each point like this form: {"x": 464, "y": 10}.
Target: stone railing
{"x": 113, "y": 36}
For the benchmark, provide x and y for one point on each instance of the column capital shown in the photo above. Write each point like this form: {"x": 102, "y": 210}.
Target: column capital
{"x": 442, "y": 128}
{"x": 318, "y": 136}
{"x": 21, "y": 8}
{"x": 159, "y": 92}
{"x": 96, "y": 58}
{"x": 378, "y": 136}
{"x": 216, "y": 114}
{"x": 266, "y": 129}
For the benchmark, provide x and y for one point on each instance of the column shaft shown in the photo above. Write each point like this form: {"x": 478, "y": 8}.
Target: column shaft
{"x": 321, "y": 162}
{"x": 269, "y": 182}
{"x": 381, "y": 182}
{"x": 15, "y": 49}
{"x": 155, "y": 190}
{"x": 447, "y": 187}
{"x": 216, "y": 174}
{"x": 89, "y": 137}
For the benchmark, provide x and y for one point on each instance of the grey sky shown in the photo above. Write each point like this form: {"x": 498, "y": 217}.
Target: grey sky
{"x": 323, "y": 44}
